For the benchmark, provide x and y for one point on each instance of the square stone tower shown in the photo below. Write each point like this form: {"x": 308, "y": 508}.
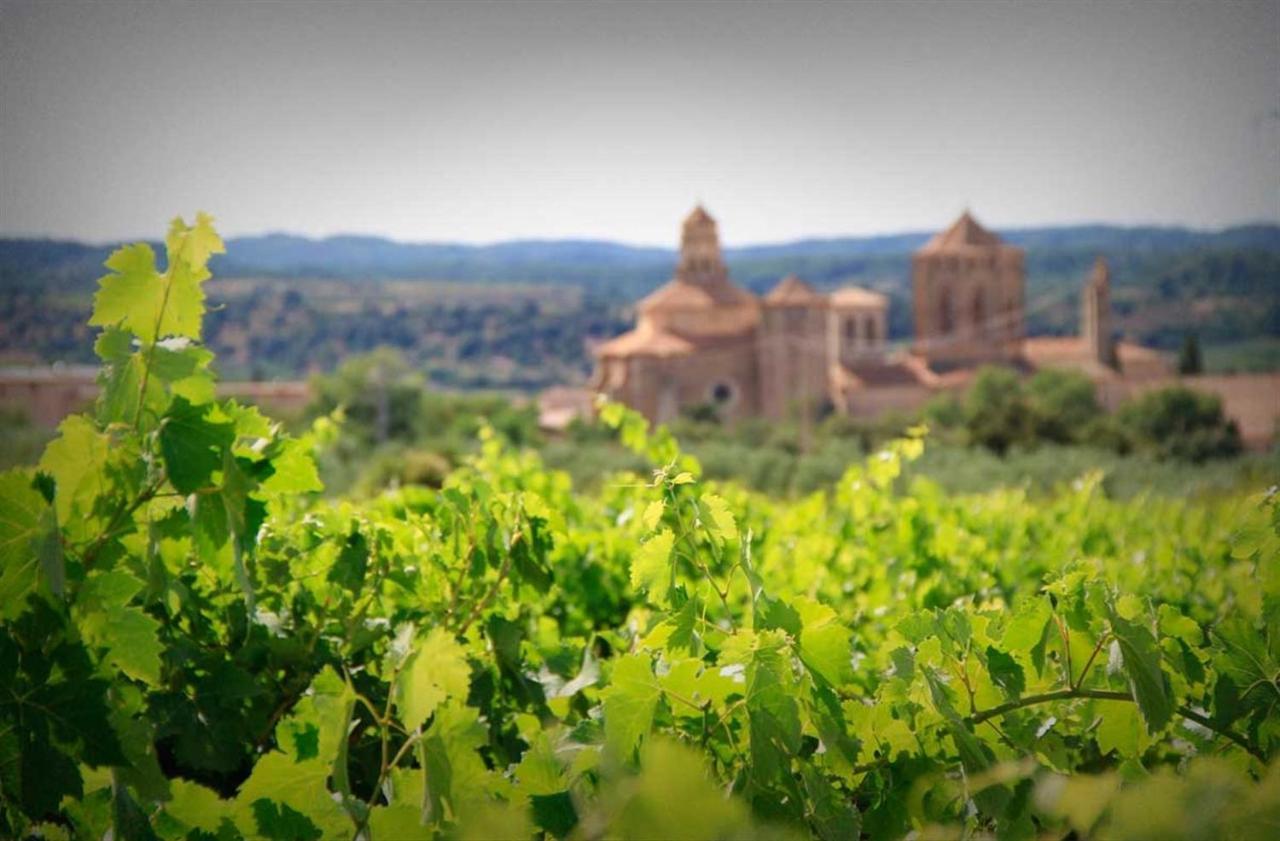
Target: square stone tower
{"x": 793, "y": 350}
{"x": 1095, "y": 315}
{"x": 968, "y": 291}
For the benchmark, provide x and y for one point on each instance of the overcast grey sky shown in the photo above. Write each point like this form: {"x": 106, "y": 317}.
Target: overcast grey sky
{"x": 490, "y": 121}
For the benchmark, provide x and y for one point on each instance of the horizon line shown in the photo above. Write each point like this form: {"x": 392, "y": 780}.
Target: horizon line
{"x": 639, "y": 245}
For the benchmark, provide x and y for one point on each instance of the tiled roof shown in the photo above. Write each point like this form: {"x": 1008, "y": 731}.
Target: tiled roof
{"x": 856, "y": 296}
{"x": 677, "y": 295}
{"x": 876, "y": 373}
{"x": 965, "y": 234}
{"x": 698, "y": 216}
{"x": 645, "y": 341}
{"x": 1071, "y": 351}
{"x": 792, "y": 291}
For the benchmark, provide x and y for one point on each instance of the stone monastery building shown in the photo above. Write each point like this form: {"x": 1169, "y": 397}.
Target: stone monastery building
{"x": 701, "y": 340}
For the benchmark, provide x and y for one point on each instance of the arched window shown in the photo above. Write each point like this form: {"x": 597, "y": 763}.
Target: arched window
{"x": 980, "y": 313}
{"x": 946, "y": 316}
{"x": 869, "y": 329}
{"x": 850, "y": 329}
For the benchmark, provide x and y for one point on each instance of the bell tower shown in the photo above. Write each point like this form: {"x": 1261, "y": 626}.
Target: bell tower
{"x": 1095, "y": 315}
{"x": 701, "y": 262}
{"x": 967, "y": 286}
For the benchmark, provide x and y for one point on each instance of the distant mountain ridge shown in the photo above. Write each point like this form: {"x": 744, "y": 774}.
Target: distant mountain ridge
{"x": 592, "y": 261}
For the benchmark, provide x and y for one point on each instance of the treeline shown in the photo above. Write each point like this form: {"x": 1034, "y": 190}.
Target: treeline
{"x": 518, "y": 342}
{"x": 397, "y": 430}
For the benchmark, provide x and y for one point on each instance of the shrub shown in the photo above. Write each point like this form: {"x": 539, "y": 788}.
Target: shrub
{"x": 1177, "y": 422}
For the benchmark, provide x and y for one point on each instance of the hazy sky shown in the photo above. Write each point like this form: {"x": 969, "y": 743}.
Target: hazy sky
{"x": 490, "y": 121}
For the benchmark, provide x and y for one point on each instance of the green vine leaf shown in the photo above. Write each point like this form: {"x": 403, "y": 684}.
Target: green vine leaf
{"x": 651, "y": 566}
{"x": 193, "y": 440}
{"x": 629, "y": 703}
{"x": 436, "y": 671}
{"x": 1147, "y": 681}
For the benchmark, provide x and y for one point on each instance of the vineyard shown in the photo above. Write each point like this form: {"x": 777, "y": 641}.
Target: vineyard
{"x": 196, "y": 645}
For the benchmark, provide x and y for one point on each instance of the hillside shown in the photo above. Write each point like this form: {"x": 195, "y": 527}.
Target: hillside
{"x": 522, "y": 314}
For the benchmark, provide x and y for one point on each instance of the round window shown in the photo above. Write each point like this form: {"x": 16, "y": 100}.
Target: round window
{"x": 722, "y": 393}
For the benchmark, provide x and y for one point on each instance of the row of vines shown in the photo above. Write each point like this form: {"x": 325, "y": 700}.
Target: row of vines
{"x": 195, "y": 645}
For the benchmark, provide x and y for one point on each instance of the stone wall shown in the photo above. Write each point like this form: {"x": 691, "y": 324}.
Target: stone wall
{"x": 661, "y": 388}
{"x": 1251, "y": 400}
{"x": 46, "y": 396}
{"x": 792, "y": 350}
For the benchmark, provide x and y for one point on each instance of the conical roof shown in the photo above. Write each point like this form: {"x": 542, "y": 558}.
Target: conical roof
{"x": 792, "y": 291}
{"x": 965, "y": 234}
{"x": 698, "y": 216}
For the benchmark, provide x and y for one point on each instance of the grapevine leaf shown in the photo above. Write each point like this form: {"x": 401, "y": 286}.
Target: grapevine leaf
{"x": 1005, "y": 672}
{"x": 653, "y": 514}
{"x": 194, "y": 243}
{"x": 130, "y": 636}
{"x": 916, "y": 626}
{"x": 529, "y": 555}
{"x": 195, "y": 806}
{"x": 456, "y": 778}
{"x": 554, "y": 812}
{"x": 1248, "y": 662}
{"x": 277, "y": 780}
{"x": 349, "y": 567}
{"x": 76, "y": 459}
{"x": 397, "y": 822}
{"x": 126, "y": 394}
{"x": 683, "y": 636}
{"x": 197, "y": 389}
{"x": 825, "y": 645}
{"x": 772, "y": 711}
{"x": 295, "y": 470}
{"x": 132, "y": 296}
{"x": 1147, "y": 681}
{"x": 192, "y": 442}
{"x": 23, "y": 522}
{"x": 281, "y": 822}
{"x": 1174, "y": 624}
{"x": 113, "y": 345}
{"x": 436, "y": 671}
{"x": 651, "y": 566}
{"x": 1119, "y": 729}
{"x": 833, "y": 816}
{"x": 1026, "y": 626}
{"x": 50, "y": 685}
{"x": 721, "y": 518}
{"x": 1025, "y": 634}
{"x": 629, "y": 703}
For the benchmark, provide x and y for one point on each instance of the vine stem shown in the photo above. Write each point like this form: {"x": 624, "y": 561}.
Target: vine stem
{"x": 1110, "y": 695}
{"x": 1088, "y": 663}
{"x": 687, "y": 532}
{"x": 151, "y": 352}
{"x": 1075, "y": 694}
{"x": 686, "y": 701}
{"x": 516, "y": 535}
{"x": 144, "y": 496}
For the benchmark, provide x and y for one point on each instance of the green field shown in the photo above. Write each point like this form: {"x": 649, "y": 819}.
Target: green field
{"x": 1261, "y": 354}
